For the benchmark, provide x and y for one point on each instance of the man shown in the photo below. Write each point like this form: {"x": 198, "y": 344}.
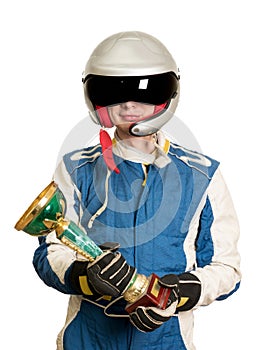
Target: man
{"x": 167, "y": 207}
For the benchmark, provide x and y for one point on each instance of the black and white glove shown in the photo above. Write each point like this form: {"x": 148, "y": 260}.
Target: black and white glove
{"x": 185, "y": 293}
{"x": 147, "y": 319}
{"x": 109, "y": 274}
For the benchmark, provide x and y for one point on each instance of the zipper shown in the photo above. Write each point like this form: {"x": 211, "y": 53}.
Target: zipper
{"x": 145, "y": 172}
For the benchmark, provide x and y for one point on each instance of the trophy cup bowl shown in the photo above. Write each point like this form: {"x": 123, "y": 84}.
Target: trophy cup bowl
{"x": 46, "y": 214}
{"x": 50, "y": 205}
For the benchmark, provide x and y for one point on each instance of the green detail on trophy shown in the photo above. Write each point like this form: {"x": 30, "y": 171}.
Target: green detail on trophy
{"x": 46, "y": 214}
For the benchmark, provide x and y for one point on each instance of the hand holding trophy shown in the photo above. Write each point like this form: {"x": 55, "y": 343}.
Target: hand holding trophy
{"x": 46, "y": 214}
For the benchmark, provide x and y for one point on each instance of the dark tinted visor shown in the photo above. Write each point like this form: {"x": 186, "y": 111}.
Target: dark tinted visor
{"x": 152, "y": 89}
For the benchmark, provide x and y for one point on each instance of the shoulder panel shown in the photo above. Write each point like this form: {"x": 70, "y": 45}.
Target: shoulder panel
{"x": 195, "y": 160}
{"x": 78, "y": 158}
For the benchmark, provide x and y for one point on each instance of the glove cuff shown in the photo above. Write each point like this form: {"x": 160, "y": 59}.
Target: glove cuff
{"x": 78, "y": 278}
{"x": 189, "y": 291}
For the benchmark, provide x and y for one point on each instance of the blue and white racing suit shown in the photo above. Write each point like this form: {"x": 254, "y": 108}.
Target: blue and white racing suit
{"x": 170, "y": 214}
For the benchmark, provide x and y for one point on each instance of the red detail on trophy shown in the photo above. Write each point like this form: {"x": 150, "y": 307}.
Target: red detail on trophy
{"x": 154, "y": 295}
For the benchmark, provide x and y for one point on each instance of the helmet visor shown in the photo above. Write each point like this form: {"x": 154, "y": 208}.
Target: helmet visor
{"x": 110, "y": 90}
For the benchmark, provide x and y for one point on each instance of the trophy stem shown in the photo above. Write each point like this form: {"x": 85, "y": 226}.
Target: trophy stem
{"x": 72, "y": 236}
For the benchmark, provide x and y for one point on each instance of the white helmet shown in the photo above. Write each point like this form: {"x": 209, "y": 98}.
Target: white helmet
{"x": 132, "y": 66}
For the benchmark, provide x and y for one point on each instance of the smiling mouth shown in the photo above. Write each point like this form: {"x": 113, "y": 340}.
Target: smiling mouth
{"x": 130, "y": 118}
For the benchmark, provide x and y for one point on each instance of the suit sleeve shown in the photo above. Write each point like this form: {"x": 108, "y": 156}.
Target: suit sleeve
{"x": 53, "y": 260}
{"x": 218, "y": 260}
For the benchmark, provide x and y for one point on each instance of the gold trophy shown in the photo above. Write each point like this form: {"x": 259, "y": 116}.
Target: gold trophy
{"x": 46, "y": 214}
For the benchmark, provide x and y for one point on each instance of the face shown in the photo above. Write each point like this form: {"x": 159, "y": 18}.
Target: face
{"x": 127, "y": 113}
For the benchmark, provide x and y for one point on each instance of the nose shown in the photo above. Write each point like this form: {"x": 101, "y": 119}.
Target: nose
{"x": 128, "y": 104}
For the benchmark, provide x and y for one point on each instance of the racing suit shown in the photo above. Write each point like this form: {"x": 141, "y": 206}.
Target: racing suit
{"x": 170, "y": 211}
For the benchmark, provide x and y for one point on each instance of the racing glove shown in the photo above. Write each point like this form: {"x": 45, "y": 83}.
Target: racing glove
{"x": 109, "y": 274}
{"x": 185, "y": 293}
{"x": 147, "y": 319}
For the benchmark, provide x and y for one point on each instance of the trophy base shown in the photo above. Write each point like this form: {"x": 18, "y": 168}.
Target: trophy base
{"x": 154, "y": 295}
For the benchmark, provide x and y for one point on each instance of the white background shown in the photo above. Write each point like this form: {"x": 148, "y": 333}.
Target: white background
{"x": 44, "y": 47}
